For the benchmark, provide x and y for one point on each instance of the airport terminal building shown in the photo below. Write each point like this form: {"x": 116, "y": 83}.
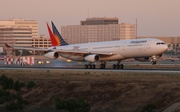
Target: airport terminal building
{"x": 16, "y": 36}
{"x": 41, "y": 42}
{"x": 18, "y": 32}
{"x": 97, "y": 30}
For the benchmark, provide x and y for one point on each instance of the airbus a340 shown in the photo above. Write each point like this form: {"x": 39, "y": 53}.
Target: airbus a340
{"x": 139, "y": 49}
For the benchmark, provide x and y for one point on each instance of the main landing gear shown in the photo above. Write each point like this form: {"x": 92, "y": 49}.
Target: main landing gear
{"x": 90, "y": 66}
{"x": 118, "y": 66}
{"x": 93, "y": 66}
{"x": 103, "y": 66}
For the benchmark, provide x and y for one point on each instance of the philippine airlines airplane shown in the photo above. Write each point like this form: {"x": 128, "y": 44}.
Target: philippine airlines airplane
{"x": 139, "y": 49}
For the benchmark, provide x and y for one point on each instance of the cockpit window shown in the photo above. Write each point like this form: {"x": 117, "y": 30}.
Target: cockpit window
{"x": 159, "y": 43}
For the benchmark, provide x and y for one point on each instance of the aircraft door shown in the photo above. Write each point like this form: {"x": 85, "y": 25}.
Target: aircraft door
{"x": 123, "y": 47}
{"x": 148, "y": 47}
{"x": 123, "y": 50}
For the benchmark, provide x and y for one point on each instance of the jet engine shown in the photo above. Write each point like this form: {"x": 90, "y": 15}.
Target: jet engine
{"x": 52, "y": 55}
{"x": 92, "y": 58}
{"x": 144, "y": 59}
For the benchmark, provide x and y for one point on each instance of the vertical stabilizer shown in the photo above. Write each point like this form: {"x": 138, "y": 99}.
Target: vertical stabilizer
{"x": 54, "y": 42}
{"x": 58, "y": 36}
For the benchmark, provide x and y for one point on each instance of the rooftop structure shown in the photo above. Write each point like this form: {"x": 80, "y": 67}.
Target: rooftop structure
{"x": 97, "y": 30}
{"x": 33, "y": 24}
{"x": 16, "y": 36}
{"x": 99, "y": 21}
{"x": 41, "y": 42}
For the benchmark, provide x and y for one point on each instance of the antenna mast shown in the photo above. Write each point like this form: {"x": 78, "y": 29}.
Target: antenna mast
{"x": 136, "y": 28}
{"x": 88, "y": 13}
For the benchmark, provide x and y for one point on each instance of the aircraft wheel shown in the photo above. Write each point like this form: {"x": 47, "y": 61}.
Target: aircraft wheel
{"x": 121, "y": 66}
{"x": 89, "y": 66}
{"x": 85, "y": 66}
{"x": 153, "y": 62}
{"x": 93, "y": 66}
{"x": 114, "y": 66}
{"x": 117, "y": 66}
{"x": 102, "y": 66}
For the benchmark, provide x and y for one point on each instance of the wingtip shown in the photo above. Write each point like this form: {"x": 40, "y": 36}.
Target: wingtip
{"x": 8, "y": 46}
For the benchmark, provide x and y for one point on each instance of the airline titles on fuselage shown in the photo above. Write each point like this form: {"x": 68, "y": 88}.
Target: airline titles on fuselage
{"x": 76, "y": 47}
{"x": 138, "y": 42}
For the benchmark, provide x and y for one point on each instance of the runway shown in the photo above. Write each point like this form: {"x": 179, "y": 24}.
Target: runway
{"x": 133, "y": 67}
{"x": 131, "y": 70}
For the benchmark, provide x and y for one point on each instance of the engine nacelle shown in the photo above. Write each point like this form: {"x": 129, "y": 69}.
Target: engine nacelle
{"x": 51, "y": 55}
{"x": 142, "y": 59}
{"x": 92, "y": 58}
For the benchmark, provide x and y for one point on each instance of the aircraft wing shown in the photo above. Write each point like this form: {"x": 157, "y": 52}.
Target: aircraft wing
{"x": 27, "y": 48}
{"x": 80, "y": 52}
{"x": 77, "y": 52}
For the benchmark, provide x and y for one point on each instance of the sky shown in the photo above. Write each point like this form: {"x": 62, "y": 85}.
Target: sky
{"x": 154, "y": 17}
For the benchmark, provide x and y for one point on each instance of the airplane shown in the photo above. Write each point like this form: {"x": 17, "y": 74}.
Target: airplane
{"x": 139, "y": 49}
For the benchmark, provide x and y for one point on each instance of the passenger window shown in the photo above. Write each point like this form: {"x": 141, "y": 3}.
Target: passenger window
{"x": 159, "y": 43}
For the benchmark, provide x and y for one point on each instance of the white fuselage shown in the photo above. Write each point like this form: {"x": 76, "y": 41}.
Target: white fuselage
{"x": 121, "y": 49}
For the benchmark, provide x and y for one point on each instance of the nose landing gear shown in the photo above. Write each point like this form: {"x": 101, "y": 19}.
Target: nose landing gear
{"x": 154, "y": 59}
{"x": 153, "y": 62}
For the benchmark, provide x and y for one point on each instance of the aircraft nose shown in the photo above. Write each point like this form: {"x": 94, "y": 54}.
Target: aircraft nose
{"x": 165, "y": 47}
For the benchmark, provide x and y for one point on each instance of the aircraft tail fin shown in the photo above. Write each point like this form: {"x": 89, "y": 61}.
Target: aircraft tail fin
{"x": 56, "y": 38}
{"x": 54, "y": 42}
